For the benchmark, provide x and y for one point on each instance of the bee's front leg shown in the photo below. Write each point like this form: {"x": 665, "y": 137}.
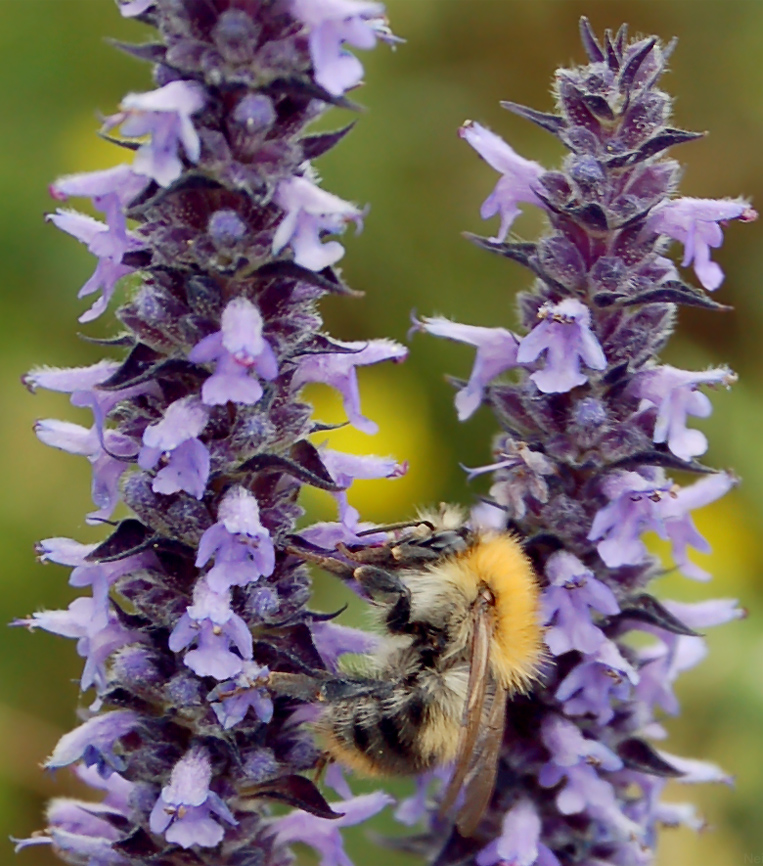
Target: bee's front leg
{"x": 386, "y": 588}
{"x": 323, "y": 560}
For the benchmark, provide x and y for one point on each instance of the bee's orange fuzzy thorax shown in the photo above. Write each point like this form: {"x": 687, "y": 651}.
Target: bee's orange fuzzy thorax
{"x": 517, "y": 649}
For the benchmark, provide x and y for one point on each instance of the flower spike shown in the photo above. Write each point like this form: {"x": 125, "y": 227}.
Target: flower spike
{"x": 591, "y": 425}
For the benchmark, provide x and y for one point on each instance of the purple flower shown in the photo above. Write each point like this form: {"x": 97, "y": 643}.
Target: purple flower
{"x": 95, "y": 625}
{"x": 185, "y": 808}
{"x": 240, "y": 544}
{"x": 694, "y": 771}
{"x": 638, "y": 504}
{"x": 323, "y": 834}
{"x": 332, "y": 641}
{"x": 309, "y": 212}
{"x": 94, "y": 741}
{"x": 84, "y": 832}
{"x": 660, "y": 666}
{"x": 239, "y": 349}
{"x": 573, "y": 593}
{"x": 595, "y": 683}
{"x": 338, "y": 370}
{"x": 695, "y": 222}
{"x": 520, "y": 476}
{"x": 661, "y": 663}
{"x": 519, "y": 176}
{"x": 577, "y": 761}
{"x": 331, "y": 24}
{"x": 413, "y": 809}
{"x": 519, "y": 843}
{"x": 215, "y": 628}
{"x": 174, "y": 440}
{"x": 110, "y": 190}
{"x": 346, "y": 468}
{"x": 108, "y": 248}
{"x": 496, "y": 353}
{"x": 673, "y": 393}
{"x": 165, "y": 115}
{"x": 564, "y": 333}
{"x": 105, "y": 454}
{"x": 106, "y": 449}
{"x": 231, "y": 700}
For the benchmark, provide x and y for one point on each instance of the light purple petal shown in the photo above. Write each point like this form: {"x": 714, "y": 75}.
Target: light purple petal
{"x": 564, "y": 334}
{"x": 338, "y": 370}
{"x": 309, "y": 211}
{"x": 695, "y": 223}
{"x": 188, "y": 470}
{"x": 332, "y": 23}
{"x": 519, "y": 176}
{"x": 496, "y": 353}
{"x": 100, "y": 732}
{"x": 184, "y": 419}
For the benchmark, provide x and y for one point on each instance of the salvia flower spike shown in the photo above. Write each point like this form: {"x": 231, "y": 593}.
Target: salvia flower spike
{"x": 592, "y": 426}
{"x": 201, "y": 432}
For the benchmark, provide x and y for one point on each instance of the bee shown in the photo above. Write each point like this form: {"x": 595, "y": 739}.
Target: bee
{"x": 461, "y": 635}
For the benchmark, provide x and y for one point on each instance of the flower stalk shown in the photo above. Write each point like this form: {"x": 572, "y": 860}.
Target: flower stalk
{"x": 200, "y": 430}
{"x": 592, "y": 425}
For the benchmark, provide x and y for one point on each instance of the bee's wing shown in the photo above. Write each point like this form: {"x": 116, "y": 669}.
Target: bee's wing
{"x": 484, "y": 766}
{"x": 475, "y": 702}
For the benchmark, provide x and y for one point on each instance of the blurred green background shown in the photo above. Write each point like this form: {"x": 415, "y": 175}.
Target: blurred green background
{"x": 425, "y": 187}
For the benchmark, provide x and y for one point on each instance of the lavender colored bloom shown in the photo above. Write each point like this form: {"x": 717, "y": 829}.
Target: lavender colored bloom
{"x": 238, "y": 349}
{"x": 324, "y": 834}
{"x": 338, "y": 370}
{"x": 639, "y": 504}
{"x": 94, "y": 742}
{"x": 331, "y": 24}
{"x": 695, "y": 223}
{"x": 174, "y": 439}
{"x": 573, "y": 593}
{"x": 332, "y": 641}
{"x": 231, "y": 700}
{"x": 496, "y": 353}
{"x": 108, "y": 450}
{"x": 110, "y": 191}
{"x": 519, "y": 840}
{"x": 216, "y": 630}
{"x": 185, "y": 809}
{"x": 105, "y": 453}
{"x": 346, "y": 468}
{"x": 240, "y": 544}
{"x": 673, "y": 393}
{"x": 564, "y": 334}
{"x": 164, "y": 114}
{"x": 599, "y": 681}
{"x": 520, "y": 474}
{"x": 109, "y": 250}
{"x": 519, "y": 176}
{"x": 590, "y": 425}
{"x": 96, "y": 627}
{"x": 310, "y": 211}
